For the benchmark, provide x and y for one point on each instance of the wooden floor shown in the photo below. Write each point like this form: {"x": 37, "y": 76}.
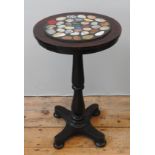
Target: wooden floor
{"x": 41, "y": 126}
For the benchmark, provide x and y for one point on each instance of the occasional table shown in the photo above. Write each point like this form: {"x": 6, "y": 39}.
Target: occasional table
{"x": 77, "y": 33}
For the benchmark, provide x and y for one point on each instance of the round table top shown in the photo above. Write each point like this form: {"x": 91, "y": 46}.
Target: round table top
{"x": 73, "y": 32}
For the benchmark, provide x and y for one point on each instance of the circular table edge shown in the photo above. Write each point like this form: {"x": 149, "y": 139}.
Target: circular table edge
{"x": 88, "y": 47}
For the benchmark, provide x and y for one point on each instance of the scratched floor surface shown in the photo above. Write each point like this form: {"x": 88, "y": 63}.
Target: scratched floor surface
{"x": 41, "y": 126}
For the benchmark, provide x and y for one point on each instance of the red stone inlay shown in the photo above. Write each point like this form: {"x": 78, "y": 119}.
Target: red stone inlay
{"x": 50, "y": 22}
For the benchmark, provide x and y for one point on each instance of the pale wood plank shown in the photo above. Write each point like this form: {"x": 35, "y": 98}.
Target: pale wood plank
{"x": 114, "y": 111}
{"x": 75, "y": 151}
{"x": 38, "y": 113}
{"x": 117, "y": 139}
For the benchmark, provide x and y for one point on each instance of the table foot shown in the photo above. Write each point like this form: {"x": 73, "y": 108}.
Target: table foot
{"x": 78, "y": 127}
{"x": 61, "y": 112}
{"x": 92, "y": 110}
{"x": 97, "y": 136}
{"x": 60, "y": 138}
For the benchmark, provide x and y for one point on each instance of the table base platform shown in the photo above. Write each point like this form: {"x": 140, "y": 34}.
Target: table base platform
{"x": 78, "y": 126}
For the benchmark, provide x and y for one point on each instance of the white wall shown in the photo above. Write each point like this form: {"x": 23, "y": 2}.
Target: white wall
{"x": 49, "y": 73}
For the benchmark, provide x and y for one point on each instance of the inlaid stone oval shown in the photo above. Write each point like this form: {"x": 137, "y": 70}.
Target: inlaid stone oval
{"x": 50, "y": 31}
{"x": 93, "y": 31}
{"x": 59, "y": 34}
{"x": 77, "y": 27}
{"x": 69, "y": 27}
{"x": 68, "y": 31}
{"x": 76, "y": 24}
{"x": 99, "y": 33}
{"x": 60, "y": 18}
{"x": 68, "y": 24}
{"x": 88, "y": 20}
{"x": 94, "y": 23}
{"x": 84, "y": 23}
{"x": 87, "y": 29}
{"x": 81, "y": 16}
{"x": 87, "y": 37}
{"x": 60, "y": 30}
{"x": 104, "y": 24}
{"x": 96, "y": 26}
{"x": 60, "y": 23}
{"x": 69, "y": 20}
{"x": 84, "y": 33}
{"x": 78, "y": 30}
{"x": 91, "y": 17}
{"x": 61, "y": 26}
{"x": 77, "y": 38}
{"x": 71, "y": 16}
{"x": 51, "y": 22}
{"x": 105, "y": 28}
{"x": 100, "y": 20}
{"x": 75, "y": 33}
{"x": 78, "y": 19}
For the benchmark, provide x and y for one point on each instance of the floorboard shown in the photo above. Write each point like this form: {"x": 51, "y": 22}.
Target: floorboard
{"x": 41, "y": 126}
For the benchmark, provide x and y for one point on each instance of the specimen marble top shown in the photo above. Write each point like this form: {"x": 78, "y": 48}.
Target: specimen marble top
{"x": 77, "y": 27}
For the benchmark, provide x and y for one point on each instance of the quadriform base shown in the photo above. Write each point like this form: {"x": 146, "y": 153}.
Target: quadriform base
{"x": 78, "y": 119}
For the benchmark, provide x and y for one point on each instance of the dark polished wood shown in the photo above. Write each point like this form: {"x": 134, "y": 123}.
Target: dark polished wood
{"x": 78, "y": 106}
{"x": 78, "y": 119}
